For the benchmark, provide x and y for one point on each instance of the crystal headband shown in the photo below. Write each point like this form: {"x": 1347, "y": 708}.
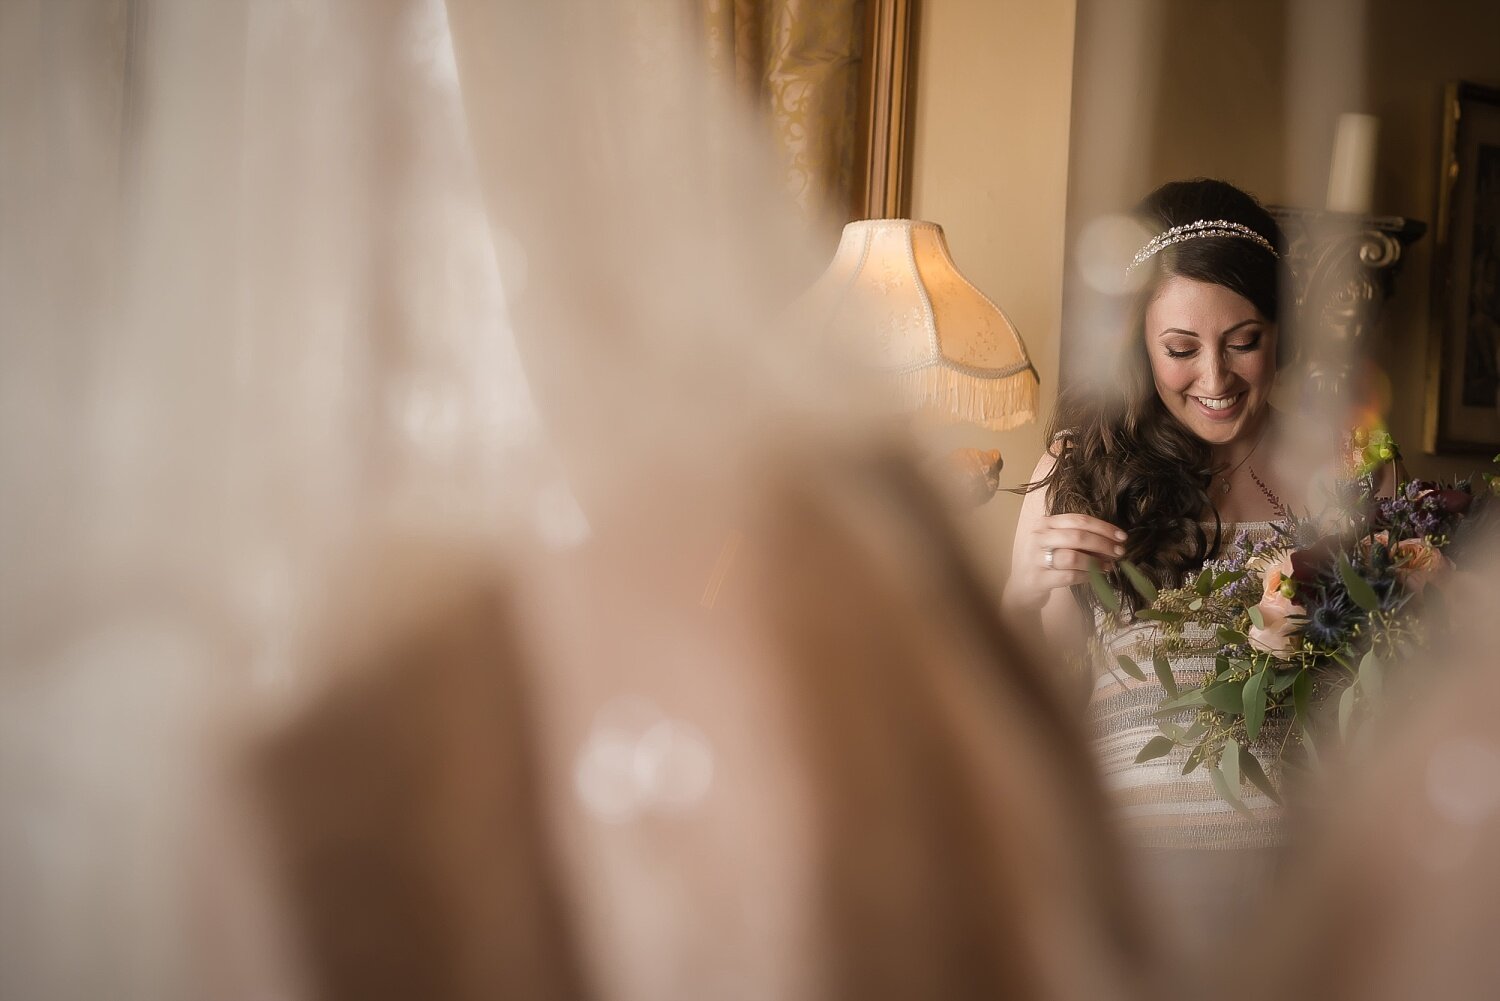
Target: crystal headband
{"x": 1195, "y": 231}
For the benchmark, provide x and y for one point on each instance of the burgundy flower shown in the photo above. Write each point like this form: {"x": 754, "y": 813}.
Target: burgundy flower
{"x": 1309, "y": 564}
{"x": 1455, "y": 501}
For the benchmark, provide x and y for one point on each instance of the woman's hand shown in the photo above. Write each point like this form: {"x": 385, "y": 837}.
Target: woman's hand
{"x": 1056, "y": 550}
{"x": 1051, "y": 553}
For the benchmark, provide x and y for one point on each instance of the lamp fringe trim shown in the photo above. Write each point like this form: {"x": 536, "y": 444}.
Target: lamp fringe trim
{"x": 997, "y": 404}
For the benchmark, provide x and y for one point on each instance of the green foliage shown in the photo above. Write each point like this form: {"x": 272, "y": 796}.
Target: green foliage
{"x": 1254, "y": 704}
{"x": 1143, "y": 587}
{"x": 1371, "y": 676}
{"x": 1302, "y": 692}
{"x": 1106, "y": 594}
{"x": 1130, "y": 667}
{"x": 1163, "y": 671}
{"x": 1359, "y": 589}
{"x": 1256, "y": 710}
{"x": 1227, "y": 697}
{"x": 1156, "y": 747}
{"x": 1251, "y": 766}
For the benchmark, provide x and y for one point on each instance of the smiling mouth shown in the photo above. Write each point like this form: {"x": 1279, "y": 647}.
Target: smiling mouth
{"x": 1219, "y": 402}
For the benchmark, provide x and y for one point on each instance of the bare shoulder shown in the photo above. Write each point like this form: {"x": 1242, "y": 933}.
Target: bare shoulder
{"x": 1044, "y": 466}
{"x": 1051, "y": 454}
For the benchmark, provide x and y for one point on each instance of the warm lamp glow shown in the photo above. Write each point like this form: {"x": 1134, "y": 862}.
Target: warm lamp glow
{"x": 950, "y": 348}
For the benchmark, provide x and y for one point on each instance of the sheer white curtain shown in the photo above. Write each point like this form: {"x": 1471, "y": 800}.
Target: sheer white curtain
{"x": 272, "y": 272}
{"x": 251, "y": 300}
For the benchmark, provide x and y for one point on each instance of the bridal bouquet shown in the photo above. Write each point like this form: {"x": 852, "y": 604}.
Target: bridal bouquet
{"x": 1306, "y": 630}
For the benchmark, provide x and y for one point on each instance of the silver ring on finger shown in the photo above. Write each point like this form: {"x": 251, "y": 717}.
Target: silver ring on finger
{"x": 1047, "y": 558}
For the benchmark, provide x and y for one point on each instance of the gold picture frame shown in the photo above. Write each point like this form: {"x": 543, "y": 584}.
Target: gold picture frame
{"x": 882, "y": 188}
{"x": 1463, "y": 373}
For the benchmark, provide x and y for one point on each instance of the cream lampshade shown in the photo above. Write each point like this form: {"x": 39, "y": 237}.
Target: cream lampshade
{"x": 950, "y": 349}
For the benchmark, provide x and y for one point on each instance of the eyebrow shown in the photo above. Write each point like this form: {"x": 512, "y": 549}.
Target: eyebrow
{"x": 1194, "y": 333}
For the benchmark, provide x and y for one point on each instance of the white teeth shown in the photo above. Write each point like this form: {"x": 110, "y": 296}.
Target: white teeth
{"x": 1222, "y": 403}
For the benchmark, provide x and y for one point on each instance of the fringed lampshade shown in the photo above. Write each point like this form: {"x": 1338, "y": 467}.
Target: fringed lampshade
{"x": 950, "y": 349}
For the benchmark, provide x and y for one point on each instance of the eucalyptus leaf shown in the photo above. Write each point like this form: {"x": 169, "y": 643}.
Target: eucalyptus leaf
{"x": 1359, "y": 589}
{"x": 1102, "y": 590}
{"x": 1230, "y": 637}
{"x": 1225, "y": 793}
{"x": 1228, "y": 697}
{"x": 1255, "y": 702}
{"x": 1198, "y": 729}
{"x": 1163, "y": 671}
{"x": 1229, "y": 577}
{"x": 1194, "y": 759}
{"x": 1138, "y": 580}
{"x": 1346, "y": 712}
{"x": 1229, "y": 764}
{"x": 1130, "y": 667}
{"x": 1284, "y": 680}
{"x": 1313, "y": 757}
{"x": 1158, "y": 615}
{"x": 1250, "y": 765}
{"x": 1187, "y": 700}
{"x": 1177, "y": 733}
{"x": 1372, "y": 675}
{"x": 1302, "y": 690}
{"x": 1204, "y": 585}
{"x": 1156, "y": 747}
{"x": 1195, "y": 605}
{"x": 1257, "y": 618}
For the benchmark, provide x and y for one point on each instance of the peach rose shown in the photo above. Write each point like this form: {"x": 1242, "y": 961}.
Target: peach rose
{"x": 1281, "y": 634}
{"x": 1418, "y": 563}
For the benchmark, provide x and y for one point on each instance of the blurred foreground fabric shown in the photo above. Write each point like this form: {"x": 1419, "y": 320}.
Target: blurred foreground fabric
{"x": 434, "y": 565}
{"x": 857, "y": 788}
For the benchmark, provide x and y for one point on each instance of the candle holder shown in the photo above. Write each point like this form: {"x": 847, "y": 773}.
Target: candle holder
{"x": 1343, "y": 268}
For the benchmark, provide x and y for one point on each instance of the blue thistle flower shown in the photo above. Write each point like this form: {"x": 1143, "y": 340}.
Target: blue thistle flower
{"x": 1331, "y": 617}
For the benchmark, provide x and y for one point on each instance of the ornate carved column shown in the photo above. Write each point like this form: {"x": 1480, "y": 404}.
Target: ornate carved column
{"x": 1343, "y": 269}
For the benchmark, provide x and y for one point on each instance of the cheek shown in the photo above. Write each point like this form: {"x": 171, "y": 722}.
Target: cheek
{"x": 1259, "y": 370}
{"x": 1173, "y": 375}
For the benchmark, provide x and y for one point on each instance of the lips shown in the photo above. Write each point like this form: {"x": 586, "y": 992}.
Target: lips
{"x": 1220, "y": 408}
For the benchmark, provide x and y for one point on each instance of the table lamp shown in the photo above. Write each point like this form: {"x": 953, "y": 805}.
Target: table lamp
{"x": 947, "y": 347}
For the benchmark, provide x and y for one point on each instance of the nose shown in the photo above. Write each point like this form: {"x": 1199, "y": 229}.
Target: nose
{"x": 1216, "y": 377}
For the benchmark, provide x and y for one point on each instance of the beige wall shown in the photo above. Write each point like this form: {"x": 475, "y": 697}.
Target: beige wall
{"x": 1249, "y": 90}
{"x": 990, "y": 164}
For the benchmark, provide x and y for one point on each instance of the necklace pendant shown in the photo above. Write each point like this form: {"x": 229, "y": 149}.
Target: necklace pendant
{"x": 1225, "y": 488}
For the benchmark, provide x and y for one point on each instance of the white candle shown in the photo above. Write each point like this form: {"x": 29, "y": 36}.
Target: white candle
{"x": 1351, "y": 175}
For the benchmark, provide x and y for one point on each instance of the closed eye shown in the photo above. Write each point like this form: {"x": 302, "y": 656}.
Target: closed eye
{"x": 1249, "y": 345}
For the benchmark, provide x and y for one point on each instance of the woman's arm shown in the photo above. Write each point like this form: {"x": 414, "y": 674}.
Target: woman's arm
{"x": 1036, "y": 601}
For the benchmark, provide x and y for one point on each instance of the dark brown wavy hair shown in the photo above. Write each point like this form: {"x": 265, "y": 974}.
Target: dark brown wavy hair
{"x": 1121, "y": 455}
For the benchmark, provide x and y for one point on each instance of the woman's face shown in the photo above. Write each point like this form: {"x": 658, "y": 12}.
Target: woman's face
{"x": 1213, "y": 357}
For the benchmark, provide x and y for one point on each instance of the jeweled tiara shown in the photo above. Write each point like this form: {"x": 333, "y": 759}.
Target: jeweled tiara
{"x": 1198, "y": 230}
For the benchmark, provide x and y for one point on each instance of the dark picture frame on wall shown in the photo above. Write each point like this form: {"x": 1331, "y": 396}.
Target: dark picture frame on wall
{"x": 1463, "y": 377}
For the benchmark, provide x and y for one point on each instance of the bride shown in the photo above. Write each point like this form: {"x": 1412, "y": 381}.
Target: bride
{"x": 1184, "y": 455}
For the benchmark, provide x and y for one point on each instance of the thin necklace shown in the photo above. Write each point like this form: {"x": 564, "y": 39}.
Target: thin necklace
{"x": 1229, "y": 475}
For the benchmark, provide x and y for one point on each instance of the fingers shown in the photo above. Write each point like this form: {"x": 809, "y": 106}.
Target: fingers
{"x": 1084, "y": 541}
{"x": 1066, "y": 546}
{"x": 1073, "y": 562}
{"x": 1084, "y": 523}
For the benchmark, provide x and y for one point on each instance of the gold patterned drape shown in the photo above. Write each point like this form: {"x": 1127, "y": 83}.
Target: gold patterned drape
{"x": 798, "y": 61}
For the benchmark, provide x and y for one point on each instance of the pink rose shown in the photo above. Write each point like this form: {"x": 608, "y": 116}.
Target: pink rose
{"x": 1281, "y": 633}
